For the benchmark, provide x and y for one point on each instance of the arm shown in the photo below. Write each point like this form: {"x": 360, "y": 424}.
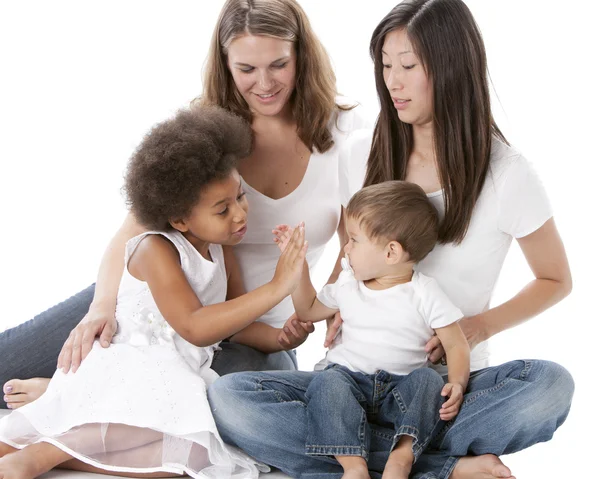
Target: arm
{"x": 258, "y": 335}
{"x": 100, "y": 320}
{"x": 458, "y": 354}
{"x": 547, "y": 259}
{"x": 157, "y": 262}
{"x": 306, "y": 304}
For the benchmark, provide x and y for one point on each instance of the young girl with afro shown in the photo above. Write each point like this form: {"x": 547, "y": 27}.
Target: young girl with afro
{"x": 140, "y": 406}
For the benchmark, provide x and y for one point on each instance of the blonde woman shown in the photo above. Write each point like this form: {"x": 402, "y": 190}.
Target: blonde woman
{"x": 265, "y": 64}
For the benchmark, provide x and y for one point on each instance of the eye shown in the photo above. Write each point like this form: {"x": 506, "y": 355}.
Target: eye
{"x": 408, "y": 67}
{"x": 280, "y": 65}
{"x": 353, "y": 240}
{"x": 386, "y": 66}
{"x": 241, "y": 195}
{"x": 224, "y": 212}
{"x": 247, "y": 70}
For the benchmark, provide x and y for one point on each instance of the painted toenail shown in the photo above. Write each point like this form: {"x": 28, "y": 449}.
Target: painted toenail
{"x": 9, "y": 406}
{"x": 8, "y": 389}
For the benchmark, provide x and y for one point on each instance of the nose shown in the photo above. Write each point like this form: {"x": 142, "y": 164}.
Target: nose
{"x": 265, "y": 82}
{"x": 347, "y": 247}
{"x": 239, "y": 214}
{"x": 392, "y": 79}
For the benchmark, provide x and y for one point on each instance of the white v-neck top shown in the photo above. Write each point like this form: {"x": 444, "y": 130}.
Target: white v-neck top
{"x": 316, "y": 201}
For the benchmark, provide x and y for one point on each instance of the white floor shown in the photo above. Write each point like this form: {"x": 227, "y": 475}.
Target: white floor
{"x": 62, "y": 474}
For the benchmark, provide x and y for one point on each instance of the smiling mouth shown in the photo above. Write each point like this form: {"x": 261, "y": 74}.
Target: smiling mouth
{"x": 267, "y": 95}
{"x": 241, "y": 231}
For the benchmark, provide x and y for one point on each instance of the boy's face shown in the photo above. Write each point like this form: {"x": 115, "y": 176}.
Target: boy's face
{"x": 366, "y": 256}
{"x": 219, "y": 217}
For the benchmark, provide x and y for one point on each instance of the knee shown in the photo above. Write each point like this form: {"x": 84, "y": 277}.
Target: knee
{"x": 556, "y": 382}
{"x": 229, "y": 403}
{"x": 428, "y": 378}
{"x": 329, "y": 385}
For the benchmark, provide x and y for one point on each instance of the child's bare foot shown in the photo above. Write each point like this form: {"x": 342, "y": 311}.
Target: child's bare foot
{"x": 355, "y": 467}
{"x": 14, "y": 466}
{"x": 6, "y": 449}
{"x": 487, "y": 466}
{"x": 396, "y": 470}
{"x": 400, "y": 462}
{"x": 17, "y": 393}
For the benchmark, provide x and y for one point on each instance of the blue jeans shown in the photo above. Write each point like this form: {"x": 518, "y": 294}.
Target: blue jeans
{"x": 342, "y": 404}
{"x": 31, "y": 349}
{"x": 506, "y": 409}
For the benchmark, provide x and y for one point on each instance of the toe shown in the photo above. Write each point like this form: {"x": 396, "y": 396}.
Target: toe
{"x": 12, "y": 387}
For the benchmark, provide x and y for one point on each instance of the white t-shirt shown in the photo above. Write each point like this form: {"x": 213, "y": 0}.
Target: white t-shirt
{"x": 512, "y": 204}
{"x": 316, "y": 201}
{"x": 386, "y": 329}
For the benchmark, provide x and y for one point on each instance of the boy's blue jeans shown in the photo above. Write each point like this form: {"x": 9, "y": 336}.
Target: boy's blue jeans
{"x": 506, "y": 408}
{"x": 342, "y": 404}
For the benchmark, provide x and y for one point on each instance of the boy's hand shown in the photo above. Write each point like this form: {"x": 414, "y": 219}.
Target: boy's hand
{"x": 450, "y": 408}
{"x": 283, "y": 233}
{"x": 291, "y": 262}
{"x": 294, "y": 333}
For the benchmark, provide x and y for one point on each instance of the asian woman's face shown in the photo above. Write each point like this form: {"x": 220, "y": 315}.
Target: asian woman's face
{"x": 406, "y": 79}
{"x": 264, "y": 71}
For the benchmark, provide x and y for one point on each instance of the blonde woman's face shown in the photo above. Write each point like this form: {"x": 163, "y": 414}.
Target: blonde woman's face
{"x": 264, "y": 71}
{"x": 406, "y": 80}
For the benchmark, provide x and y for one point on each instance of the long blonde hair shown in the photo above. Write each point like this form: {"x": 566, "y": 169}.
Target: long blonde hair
{"x": 313, "y": 100}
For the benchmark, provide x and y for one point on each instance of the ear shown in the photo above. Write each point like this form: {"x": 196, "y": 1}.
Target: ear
{"x": 179, "y": 225}
{"x": 394, "y": 253}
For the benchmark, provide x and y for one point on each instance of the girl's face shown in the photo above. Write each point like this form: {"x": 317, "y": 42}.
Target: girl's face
{"x": 264, "y": 71}
{"x": 219, "y": 217}
{"x": 406, "y": 80}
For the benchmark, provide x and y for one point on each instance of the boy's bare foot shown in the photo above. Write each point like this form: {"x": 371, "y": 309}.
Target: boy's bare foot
{"x": 487, "y": 466}
{"x": 18, "y": 392}
{"x": 396, "y": 470}
{"x": 355, "y": 467}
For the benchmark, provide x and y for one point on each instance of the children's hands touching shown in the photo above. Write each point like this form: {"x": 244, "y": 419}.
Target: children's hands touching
{"x": 283, "y": 233}
{"x": 291, "y": 262}
{"x": 454, "y": 393}
{"x": 294, "y": 333}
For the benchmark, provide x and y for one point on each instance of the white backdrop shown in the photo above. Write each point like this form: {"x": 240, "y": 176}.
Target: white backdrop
{"x": 81, "y": 82}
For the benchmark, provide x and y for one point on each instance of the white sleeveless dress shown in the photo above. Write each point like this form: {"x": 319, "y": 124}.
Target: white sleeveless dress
{"x": 140, "y": 405}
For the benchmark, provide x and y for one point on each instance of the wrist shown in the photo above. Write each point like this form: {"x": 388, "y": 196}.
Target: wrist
{"x": 102, "y": 307}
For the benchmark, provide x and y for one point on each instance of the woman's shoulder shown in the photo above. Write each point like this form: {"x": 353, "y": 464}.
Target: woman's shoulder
{"x": 503, "y": 159}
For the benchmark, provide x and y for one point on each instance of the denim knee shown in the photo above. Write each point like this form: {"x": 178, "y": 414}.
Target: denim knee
{"x": 225, "y": 397}
{"x": 555, "y": 387}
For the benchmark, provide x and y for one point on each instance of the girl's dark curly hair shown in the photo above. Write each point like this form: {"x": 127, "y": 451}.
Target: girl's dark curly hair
{"x": 178, "y": 157}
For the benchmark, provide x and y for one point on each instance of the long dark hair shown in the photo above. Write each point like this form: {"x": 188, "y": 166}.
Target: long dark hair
{"x": 447, "y": 41}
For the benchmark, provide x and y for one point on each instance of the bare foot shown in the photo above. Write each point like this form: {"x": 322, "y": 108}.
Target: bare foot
{"x": 6, "y": 449}
{"x": 18, "y": 392}
{"x": 487, "y": 466}
{"x": 14, "y": 466}
{"x": 356, "y": 474}
{"x": 396, "y": 470}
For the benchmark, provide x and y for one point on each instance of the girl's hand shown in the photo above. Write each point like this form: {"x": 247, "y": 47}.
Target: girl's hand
{"x": 79, "y": 343}
{"x": 283, "y": 233}
{"x": 333, "y": 328}
{"x": 291, "y": 262}
{"x": 294, "y": 333}
{"x": 450, "y": 408}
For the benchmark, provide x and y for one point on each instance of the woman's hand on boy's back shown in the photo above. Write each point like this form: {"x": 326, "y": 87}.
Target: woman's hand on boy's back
{"x": 291, "y": 262}
{"x": 96, "y": 323}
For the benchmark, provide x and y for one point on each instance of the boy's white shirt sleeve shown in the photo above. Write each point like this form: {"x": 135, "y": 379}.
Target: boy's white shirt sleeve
{"x": 523, "y": 203}
{"x": 438, "y": 310}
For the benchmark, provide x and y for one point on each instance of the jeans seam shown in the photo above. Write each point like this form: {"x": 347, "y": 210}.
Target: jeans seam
{"x": 449, "y": 466}
{"x": 417, "y": 447}
{"x": 526, "y": 370}
{"x": 280, "y": 398}
{"x": 328, "y": 450}
{"x": 483, "y": 392}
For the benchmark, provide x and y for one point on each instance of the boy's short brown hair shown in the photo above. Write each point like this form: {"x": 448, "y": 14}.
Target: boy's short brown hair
{"x": 397, "y": 211}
